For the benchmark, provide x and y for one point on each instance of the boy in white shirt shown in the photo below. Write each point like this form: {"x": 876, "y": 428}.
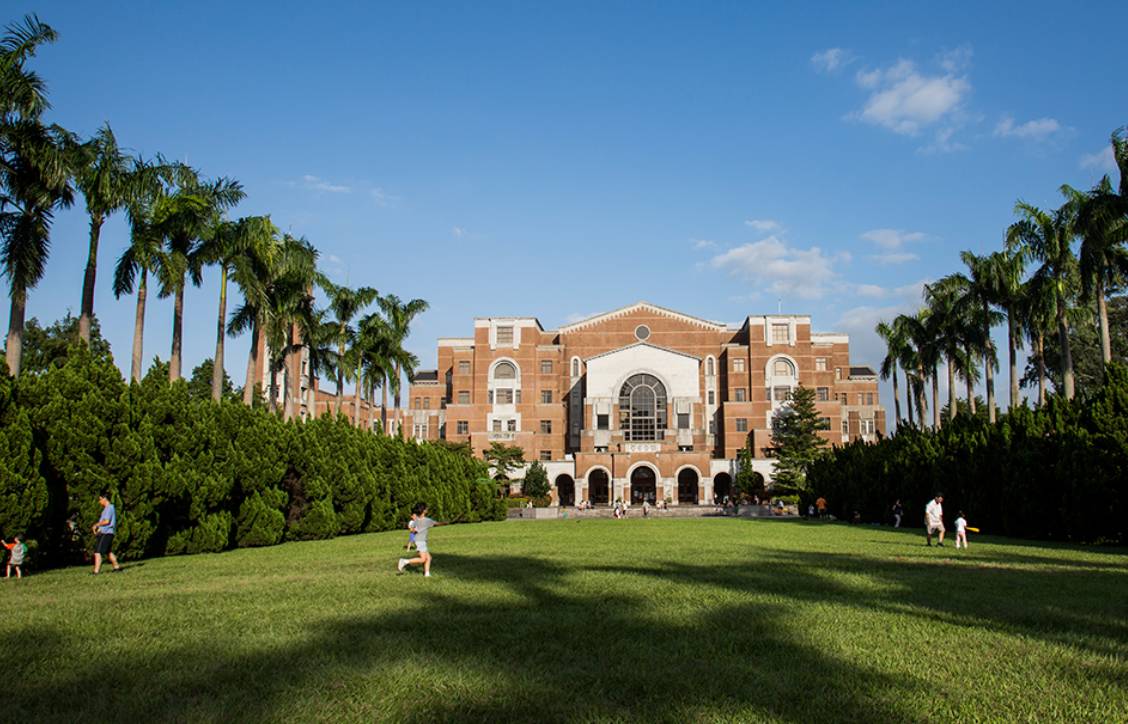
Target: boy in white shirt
{"x": 934, "y": 520}
{"x": 961, "y": 530}
{"x": 423, "y": 525}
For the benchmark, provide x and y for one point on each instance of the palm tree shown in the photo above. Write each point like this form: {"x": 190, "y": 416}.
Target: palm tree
{"x": 1006, "y": 271}
{"x": 345, "y": 304}
{"x": 1103, "y": 223}
{"x": 894, "y": 344}
{"x": 183, "y": 219}
{"x": 1047, "y": 237}
{"x": 35, "y": 171}
{"x": 381, "y": 359}
{"x": 145, "y": 254}
{"x": 948, "y": 321}
{"x": 1039, "y": 301}
{"x": 983, "y": 291}
{"x": 399, "y": 316}
{"x": 103, "y": 176}
{"x": 238, "y": 248}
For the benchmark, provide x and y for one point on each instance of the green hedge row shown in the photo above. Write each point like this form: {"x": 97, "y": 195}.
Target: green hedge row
{"x": 1057, "y": 473}
{"x": 191, "y": 476}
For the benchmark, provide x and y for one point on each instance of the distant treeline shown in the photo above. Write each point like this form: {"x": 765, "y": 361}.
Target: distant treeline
{"x": 193, "y": 476}
{"x": 1058, "y": 472}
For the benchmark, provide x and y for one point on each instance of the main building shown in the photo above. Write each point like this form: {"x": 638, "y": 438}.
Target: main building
{"x": 641, "y": 403}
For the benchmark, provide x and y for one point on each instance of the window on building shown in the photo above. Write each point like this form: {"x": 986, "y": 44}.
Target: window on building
{"x": 710, "y": 369}
{"x": 601, "y": 448}
{"x": 844, "y": 398}
{"x": 546, "y": 427}
{"x": 464, "y": 397}
{"x": 546, "y": 366}
{"x": 420, "y": 432}
{"x": 824, "y": 423}
{"x": 642, "y": 408}
{"x": 822, "y": 394}
{"x": 505, "y": 371}
{"x": 712, "y": 427}
{"x": 490, "y": 397}
{"x": 742, "y": 424}
{"x": 517, "y": 396}
{"x": 546, "y": 397}
{"x": 464, "y": 367}
{"x": 712, "y": 397}
{"x": 546, "y": 455}
{"x": 683, "y": 420}
{"x": 837, "y": 373}
{"x": 845, "y": 426}
{"x": 820, "y": 364}
{"x": 738, "y": 364}
{"x": 783, "y": 368}
{"x": 418, "y": 403}
{"x": 503, "y": 396}
{"x": 575, "y": 368}
{"x": 497, "y": 425}
{"x": 739, "y": 394}
{"x": 867, "y": 426}
{"x": 861, "y": 399}
{"x": 505, "y": 336}
{"x": 511, "y": 425}
{"x": 602, "y": 422}
{"x": 781, "y": 394}
{"x": 869, "y": 398}
{"x": 426, "y": 403}
{"x": 781, "y": 333}
{"x": 685, "y": 448}
{"x": 462, "y": 427}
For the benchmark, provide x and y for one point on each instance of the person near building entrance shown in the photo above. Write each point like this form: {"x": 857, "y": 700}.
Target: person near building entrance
{"x": 934, "y": 520}
{"x": 104, "y": 529}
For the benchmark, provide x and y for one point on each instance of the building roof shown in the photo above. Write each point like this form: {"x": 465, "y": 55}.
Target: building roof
{"x": 862, "y": 372}
{"x": 425, "y": 376}
{"x": 574, "y": 326}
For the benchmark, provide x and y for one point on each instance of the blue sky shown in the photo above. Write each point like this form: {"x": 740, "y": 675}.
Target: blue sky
{"x": 562, "y": 160}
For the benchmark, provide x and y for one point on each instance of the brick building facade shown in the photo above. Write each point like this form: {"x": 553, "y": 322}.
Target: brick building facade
{"x": 641, "y": 403}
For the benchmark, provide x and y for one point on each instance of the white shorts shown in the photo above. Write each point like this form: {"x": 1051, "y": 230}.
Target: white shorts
{"x": 934, "y": 527}
{"x": 421, "y": 546}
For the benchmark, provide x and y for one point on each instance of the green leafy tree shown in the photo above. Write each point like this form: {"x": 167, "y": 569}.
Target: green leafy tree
{"x": 345, "y": 303}
{"x": 535, "y": 484}
{"x": 748, "y": 482}
{"x": 399, "y": 315}
{"x": 47, "y": 347}
{"x": 504, "y": 459}
{"x": 796, "y": 443}
{"x": 202, "y": 381}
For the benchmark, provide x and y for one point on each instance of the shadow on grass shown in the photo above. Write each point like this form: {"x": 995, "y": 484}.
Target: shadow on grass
{"x": 558, "y": 651}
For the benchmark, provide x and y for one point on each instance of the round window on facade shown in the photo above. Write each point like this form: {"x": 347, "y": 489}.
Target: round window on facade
{"x": 642, "y": 332}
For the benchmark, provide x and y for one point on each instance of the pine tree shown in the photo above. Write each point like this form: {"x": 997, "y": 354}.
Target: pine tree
{"x": 536, "y": 485}
{"x": 795, "y": 441}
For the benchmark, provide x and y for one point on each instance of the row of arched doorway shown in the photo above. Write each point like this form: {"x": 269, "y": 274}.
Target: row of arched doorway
{"x": 644, "y": 487}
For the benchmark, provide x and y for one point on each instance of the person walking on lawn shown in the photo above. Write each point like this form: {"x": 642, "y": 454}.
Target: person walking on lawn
{"x": 104, "y": 529}
{"x": 934, "y": 520}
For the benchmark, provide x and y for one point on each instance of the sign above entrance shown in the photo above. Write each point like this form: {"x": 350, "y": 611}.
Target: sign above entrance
{"x": 642, "y": 447}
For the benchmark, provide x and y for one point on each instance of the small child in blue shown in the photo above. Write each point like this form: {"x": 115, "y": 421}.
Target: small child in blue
{"x": 423, "y": 525}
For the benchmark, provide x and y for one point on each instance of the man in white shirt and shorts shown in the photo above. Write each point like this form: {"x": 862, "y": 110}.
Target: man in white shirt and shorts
{"x": 934, "y": 520}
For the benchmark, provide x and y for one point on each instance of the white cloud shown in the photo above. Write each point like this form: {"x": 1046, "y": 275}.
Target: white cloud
{"x": 831, "y": 59}
{"x": 906, "y": 101}
{"x": 457, "y": 232}
{"x": 379, "y": 196}
{"x": 764, "y": 225}
{"x": 1038, "y": 129}
{"x": 943, "y": 142}
{"x": 892, "y": 238}
{"x": 703, "y": 244}
{"x": 806, "y": 273}
{"x": 957, "y": 59}
{"x": 314, "y": 183}
{"x": 1102, "y": 160}
{"x": 895, "y": 257}
{"x": 871, "y": 291}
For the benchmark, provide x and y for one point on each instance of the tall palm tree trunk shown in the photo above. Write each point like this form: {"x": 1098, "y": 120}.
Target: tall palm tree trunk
{"x": 340, "y": 376}
{"x": 87, "y": 314}
{"x": 384, "y": 406}
{"x": 922, "y": 398}
{"x": 177, "y": 332}
{"x": 293, "y": 376}
{"x": 953, "y": 403}
{"x": 139, "y": 326}
{"x": 396, "y": 401}
{"x": 371, "y": 407}
{"x": 896, "y": 397}
{"x": 935, "y": 398}
{"x": 908, "y": 398}
{"x": 1066, "y": 352}
{"x": 356, "y": 397}
{"x": 14, "y": 350}
{"x": 217, "y": 363}
{"x": 274, "y": 370}
{"x": 1041, "y": 369}
{"x": 251, "y": 385}
{"x": 988, "y": 367}
{"x": 1012, "y": 358}
{"x": 970, "y": 385}
{"x": 1102, "y": 314}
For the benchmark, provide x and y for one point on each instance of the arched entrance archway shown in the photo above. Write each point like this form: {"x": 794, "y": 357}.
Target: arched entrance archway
{"x": 566, "y": 490}
{"x": 687, "y": 486}
{"x": 599, "y": 487}
{"x": 722, "y": 486}
{"x": 644, "y": 486}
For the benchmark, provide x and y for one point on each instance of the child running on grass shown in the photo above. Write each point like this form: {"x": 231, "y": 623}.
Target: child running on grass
{"x": 423, "y": 524}
{"x": 16, "y": 552}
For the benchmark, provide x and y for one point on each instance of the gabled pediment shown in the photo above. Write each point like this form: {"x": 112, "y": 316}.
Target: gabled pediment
{"x": 628, "y": 350}
{"x": 678, "y": 371}
{"x": 642, "y": 309}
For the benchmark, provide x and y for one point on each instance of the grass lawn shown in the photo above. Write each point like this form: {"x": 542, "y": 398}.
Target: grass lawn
{"x": 660, "y": 620}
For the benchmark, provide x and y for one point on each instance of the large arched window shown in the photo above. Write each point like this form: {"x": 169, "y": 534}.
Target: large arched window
{"x": 782, "y": 368}
{"x": 642, "y": 408}
{"x": 505, "y": 371}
